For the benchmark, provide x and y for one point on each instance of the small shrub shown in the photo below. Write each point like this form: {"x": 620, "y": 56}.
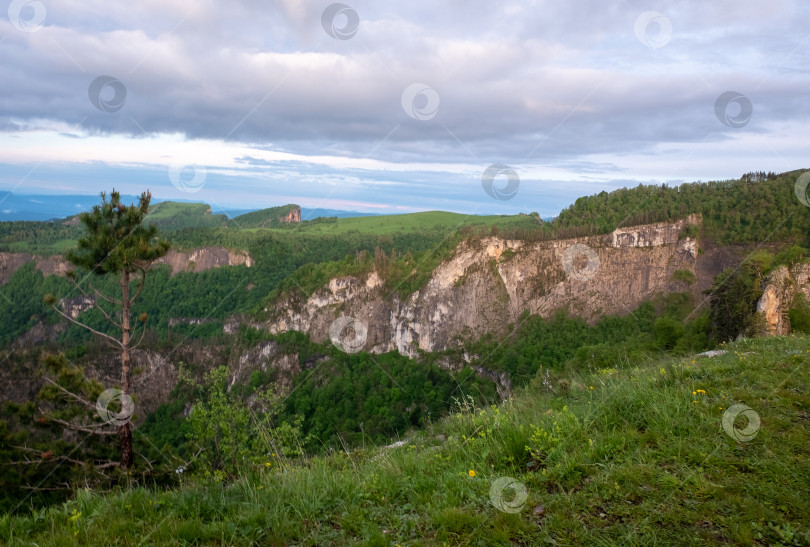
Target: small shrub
{"x": 684, "y": 276}
{"x": 800, "y": 314}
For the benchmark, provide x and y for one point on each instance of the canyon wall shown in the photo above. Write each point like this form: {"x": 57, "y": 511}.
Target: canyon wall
{"x": 487, "y": 284}
{"x": 195, "y": 260}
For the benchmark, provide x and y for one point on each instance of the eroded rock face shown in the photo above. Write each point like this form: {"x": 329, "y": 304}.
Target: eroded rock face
{"x": 488, "y": 283}
{"x": 780, "y": 290}
{"x": 48, "y": 265}
{"x": 265, "y": 356}
{"x": 204, "y": 258}
{"x": 293, "y": 216}
{"x": 155, "y": 374}
{"x": 174, "y": 321}
{"x": 196, "y": 260}
{"x": 74, "y": 307}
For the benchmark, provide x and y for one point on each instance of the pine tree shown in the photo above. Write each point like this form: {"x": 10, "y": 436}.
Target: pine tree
{"x": 116, "y": 242}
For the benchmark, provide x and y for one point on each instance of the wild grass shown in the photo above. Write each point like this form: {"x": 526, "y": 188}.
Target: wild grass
{"x": 632, "y": 455}
{"x": 429, "y": 221}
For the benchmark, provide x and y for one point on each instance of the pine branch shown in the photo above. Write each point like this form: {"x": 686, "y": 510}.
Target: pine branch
{"x": 103, "y": 296}
{"x": 95, "y": 305}
{"x": 52, "y": 489}
{"x": 143, "y": 282}
{"x": 143, "y": 333}
{"x": 85, "y": 402}
{"x": 91, "y": 329}
{"x": 86, "y": 429}
{"x": 105, "y": 465}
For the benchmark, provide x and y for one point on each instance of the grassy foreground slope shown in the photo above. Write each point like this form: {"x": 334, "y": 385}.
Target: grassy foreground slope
{"x": 630, "y": 456}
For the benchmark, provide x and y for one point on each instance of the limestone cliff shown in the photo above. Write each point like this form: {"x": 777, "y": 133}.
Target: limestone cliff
{"x": 204, "y": 258}
{"x": 155, "y": 372}
{"x": 48, "y": 265}
{"x": 293, "y": 216}
{"x": 488, "y": 283}
{"x": 196, "y": 260}
{"x": 780, "y": 290}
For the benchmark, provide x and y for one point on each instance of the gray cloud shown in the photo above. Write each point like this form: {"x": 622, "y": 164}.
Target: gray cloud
{"x": 534, "y": 81}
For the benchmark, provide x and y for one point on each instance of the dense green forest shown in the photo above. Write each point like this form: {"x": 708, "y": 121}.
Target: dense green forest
{"x": 756, "y": 208}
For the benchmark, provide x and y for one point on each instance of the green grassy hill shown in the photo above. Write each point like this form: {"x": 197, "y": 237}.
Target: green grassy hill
{"x": 265, "y": 218}
{"x": 429, "y": 221}
{"x": 171, "y": 215}
{"x": 635, "y": 456}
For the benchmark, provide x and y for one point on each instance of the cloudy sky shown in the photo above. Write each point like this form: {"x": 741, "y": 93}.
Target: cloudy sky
{"x": 398, "y": 106}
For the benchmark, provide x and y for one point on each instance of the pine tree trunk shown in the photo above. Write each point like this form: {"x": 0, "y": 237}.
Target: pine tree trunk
{"x": 125, "y": 436}
{"x": 124, "y": 431}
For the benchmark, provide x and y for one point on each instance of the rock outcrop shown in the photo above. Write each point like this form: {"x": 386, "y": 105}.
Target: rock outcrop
{"x": 264, "y": 357}
{"x": 48, "y": 265}
{"x": 487, "y": 284}
{"x": 293, "y": 216}
{"x": 196, "y": 260}
{"x": 777, "y": 298}
{"x": 204, "y": 258}
{"x": 76, "y": 306}
{"x": 155, "y": 373}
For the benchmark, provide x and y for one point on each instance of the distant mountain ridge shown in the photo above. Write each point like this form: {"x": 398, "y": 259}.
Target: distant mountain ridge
{"x": 56, "y": 207}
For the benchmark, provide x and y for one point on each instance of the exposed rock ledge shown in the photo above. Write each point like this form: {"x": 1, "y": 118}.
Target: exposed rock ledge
{"x": 483, "y": 288}
{"x": 204, "y": 258}
{"x": 780, "y": 290}
{"x": 196, "y": 260}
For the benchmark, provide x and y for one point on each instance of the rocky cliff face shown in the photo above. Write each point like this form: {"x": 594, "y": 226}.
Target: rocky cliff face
{"x": 204, "y": 258}
{"x": 156, "y": 373}
{"x": 487, "y": 284}
{"x": 48, "y": 265}
{"x": 293, "y": 216}
{"x": 197, "y": 260}
{"x": 780, "y": 290}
